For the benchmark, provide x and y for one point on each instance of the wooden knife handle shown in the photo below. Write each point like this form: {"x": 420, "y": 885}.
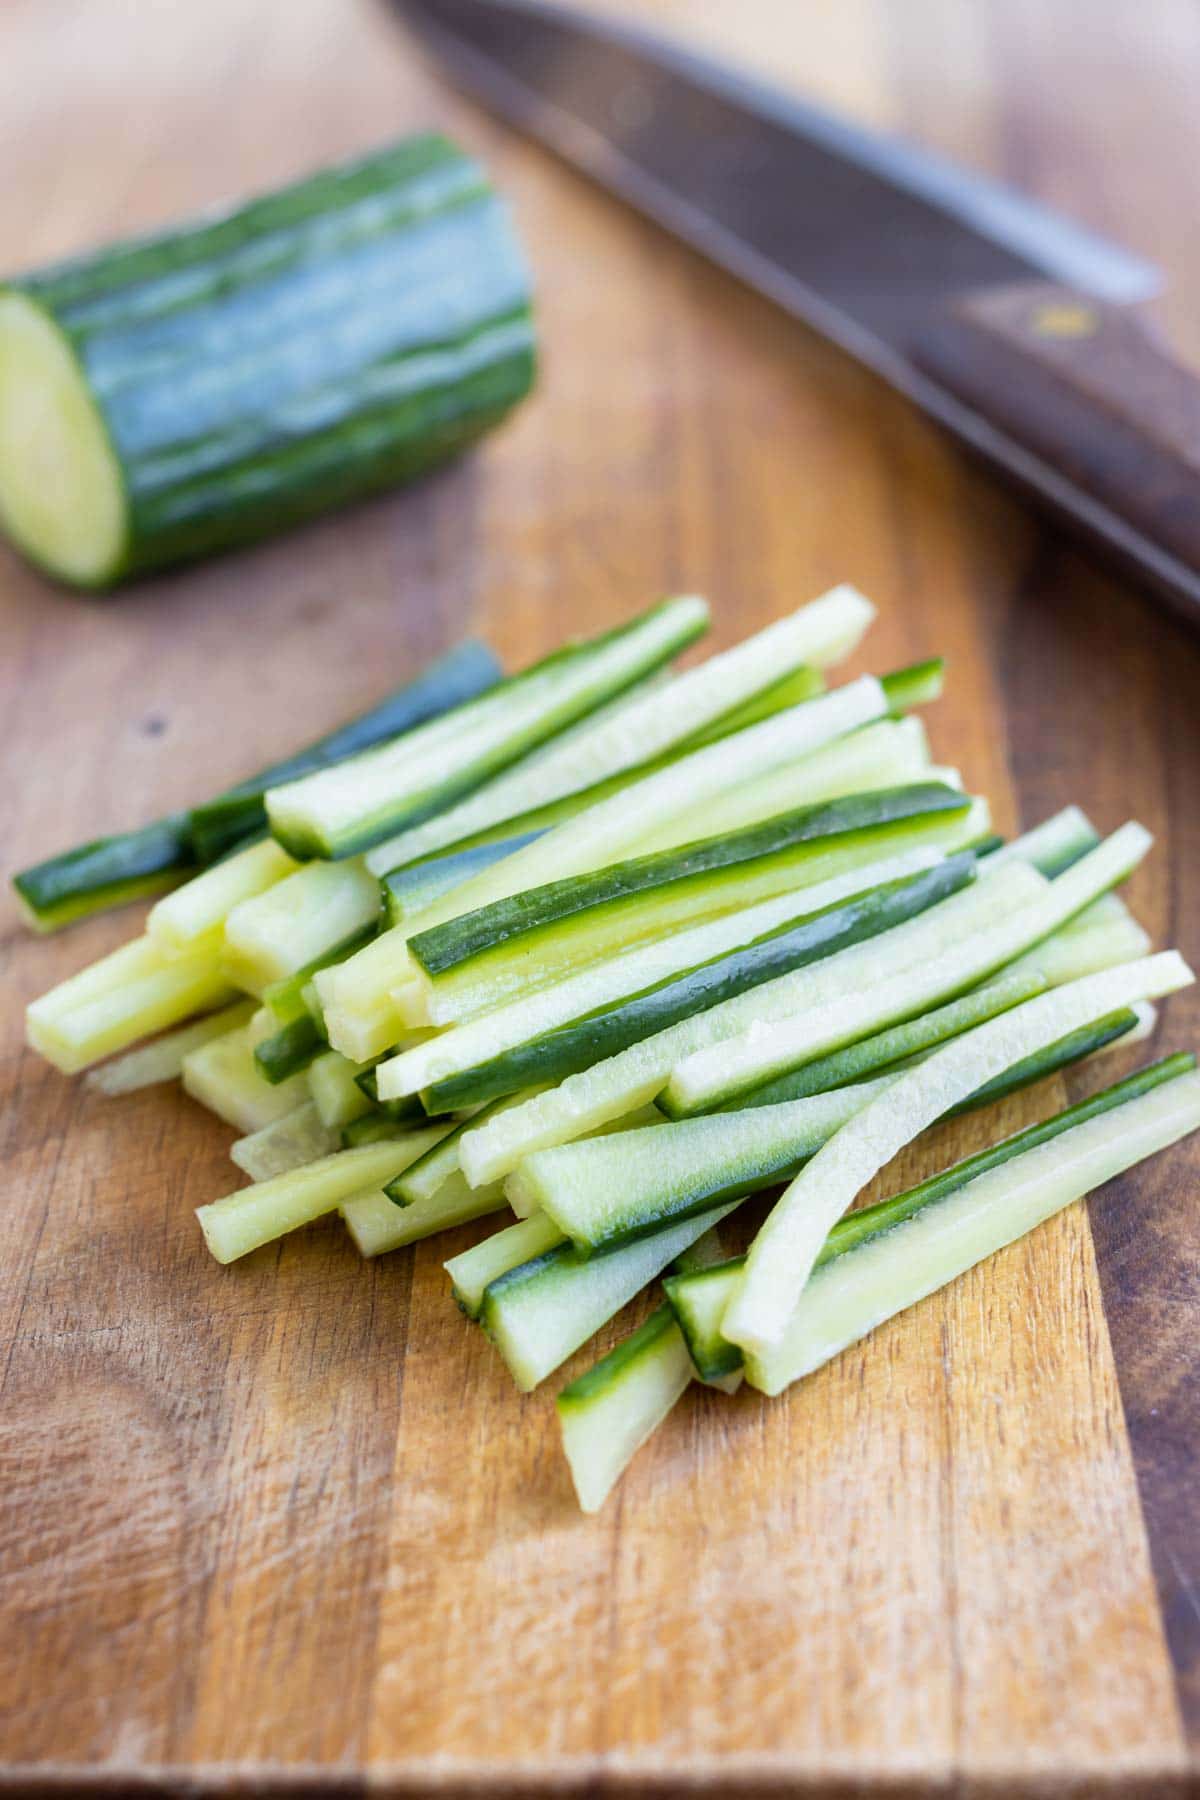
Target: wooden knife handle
{"x": 1090, "y": 390}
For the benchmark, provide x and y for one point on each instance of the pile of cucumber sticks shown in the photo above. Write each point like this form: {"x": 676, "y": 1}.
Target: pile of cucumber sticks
{"x": 605, "y": 951}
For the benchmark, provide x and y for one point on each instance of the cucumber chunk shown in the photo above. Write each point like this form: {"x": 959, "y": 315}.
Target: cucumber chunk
{"x": 166, "y": 398}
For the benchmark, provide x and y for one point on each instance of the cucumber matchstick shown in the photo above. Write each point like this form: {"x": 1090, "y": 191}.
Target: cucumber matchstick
{"x": 139, "y": 864}
{"x": 699, "y": 1299}
{"x": 785, "y": 1250}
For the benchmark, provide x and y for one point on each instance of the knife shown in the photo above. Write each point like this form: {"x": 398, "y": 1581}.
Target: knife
{"x": 1017, "y": 330}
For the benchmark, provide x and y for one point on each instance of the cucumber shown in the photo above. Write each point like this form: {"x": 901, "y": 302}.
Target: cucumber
{"x": 522, "y": 1199}
{"x": 727, "y": 692}
{"x": 917, "y": 685}
{"x": 763, "y": 1052}
{"x": 286, "y": 997}
{"x": 257, "y": 1215}
{"x": 802, "y": 683}
{"x": 618, "y": 1084}
{"x": 139, "y": 864}
{"x": 699, "y": 1298}
{"x": 890, "y": 753}
{"x": 1082, "y": 949}
{"x": 599, "y": 1012}
{"x": 872, "y": 1054}
{"x": 422, "y": 1179}
{"x": 884, "y": 753}
{"x": 131, "y": 994}
{"x": 696, "y": 916}
{"x": 162, "y": 1060}
{"x": 406, "y": 1108}
{"x": 607, "y": 1414}
{"x": 408, "y": 891}
{"x": 895, "y": 1267}
{"x": 698, "y": 875}
{"x": 337, "y": 1096}
{"x": 371, "y": 1128}
{"x": 782, "y": 1255}
{"x": 356, "y": 803}
{"x": 360, "y": 1008}
{"x": 606, "y": 1191}
{"x": 289, "y": 1049}
{"x": 540, "y": 1313}
{"x": 109, "y": 871}
{"x": 463, "y": 674}
{"x": 609, "y": 1190}
{"x": 234, "y": 376}
{"x": 222, "y": 1075}
{"x": 1111, "y": 1029}
{"x": 288, "y": 1143}
{"x": 377, "y": 1225}
{"x": 204, "y": 903}
{"x": 296, "y": 923}
{"x": 473, "y": 1271}
{"x": 1055, "y": 844}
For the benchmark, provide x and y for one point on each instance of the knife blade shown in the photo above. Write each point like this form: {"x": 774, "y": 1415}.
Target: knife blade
{"x": 1012, "y": 327}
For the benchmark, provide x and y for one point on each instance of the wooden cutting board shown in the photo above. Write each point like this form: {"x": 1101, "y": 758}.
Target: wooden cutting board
{"x": 288, "y": 1525}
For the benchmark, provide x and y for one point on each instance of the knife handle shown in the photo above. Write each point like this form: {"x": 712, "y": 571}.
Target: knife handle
{"x": 1090, "y": 390}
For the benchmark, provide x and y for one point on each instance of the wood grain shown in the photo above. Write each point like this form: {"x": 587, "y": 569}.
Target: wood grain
{"x": 287, "y": 1525}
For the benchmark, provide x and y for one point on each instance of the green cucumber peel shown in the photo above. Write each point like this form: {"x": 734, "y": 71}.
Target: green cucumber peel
{"x": 108, "y": 872}
{"x": 600, "y": 1377}
{"x": 916, "y": 685}
{"x": 603, "y": 1034}
{"x": 408, "y": 890}
{"x": 469, "y": 670}
{"x": 539, "y": 1313}
{"x": 371, "y": 1128}
{"x": 885, "y": 1048}
{"x": 289, "y": 1049}
{"x": 340, "y": 811}
{"x": 482, "y": 931}
{"x": 286, "y": 998}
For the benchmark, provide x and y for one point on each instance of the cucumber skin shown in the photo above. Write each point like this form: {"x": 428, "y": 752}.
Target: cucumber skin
{"x": 293, "y": 444}
{"x": 1060, "y": 1055}
{"x": 477, "y": 933}
{"x": 133, "y": 865}
{"x": 444, "y": 872}
{"x": 855, "y": 1062}
{"x": 602, "y": 1034}
{"x": 600, "y": 1377}
{"x": 288, "y": 1050}
{"x": 462, "y": 674}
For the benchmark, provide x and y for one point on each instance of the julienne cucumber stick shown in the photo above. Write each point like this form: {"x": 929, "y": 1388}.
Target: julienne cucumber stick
{"x": 136, "y": 864}
{"x": 741, "y": 930}
{"x": 169, "y": 397}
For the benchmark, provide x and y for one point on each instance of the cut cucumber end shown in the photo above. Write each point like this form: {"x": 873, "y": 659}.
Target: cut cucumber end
{"x": 62, "y": 500}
